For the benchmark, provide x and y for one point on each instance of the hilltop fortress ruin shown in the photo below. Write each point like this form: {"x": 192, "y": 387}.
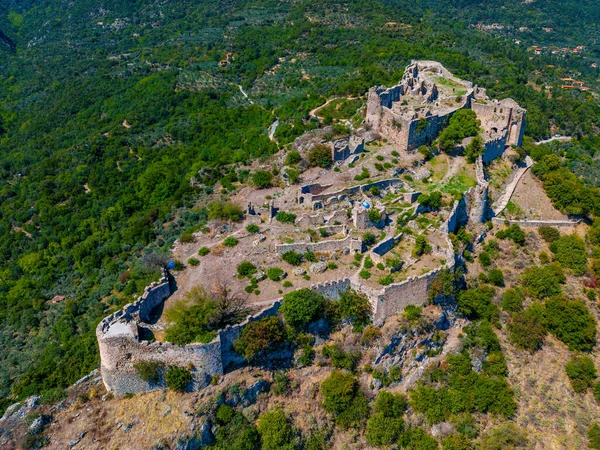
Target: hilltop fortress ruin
{"x": 416, "y": 110}
{"x": 330, "y": 216}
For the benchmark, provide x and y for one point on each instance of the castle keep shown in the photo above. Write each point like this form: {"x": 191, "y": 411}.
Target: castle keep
{"x": 415, "y": 111}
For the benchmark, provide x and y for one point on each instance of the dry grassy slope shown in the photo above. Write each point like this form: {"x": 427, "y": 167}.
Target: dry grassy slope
{"x": 554, "y": 416}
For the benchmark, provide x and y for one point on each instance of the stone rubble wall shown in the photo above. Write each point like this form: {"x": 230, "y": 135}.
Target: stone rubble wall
{"x": 537, "y": 223}
{"x": 494, "y": 148}
{"x": 322, "y": 218}
{"x": 343, "y": 149}
{"x": 343, "y": 194}
{"x": 354, "y": 245}
{"x": 386, "y": 245}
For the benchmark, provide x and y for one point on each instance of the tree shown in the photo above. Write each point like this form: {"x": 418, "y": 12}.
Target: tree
{"x": 235, "y": 432}
{"x": 292, "y": 157}
{"x": 262, "y": 179}
{"x": 291, "y": 257}
{"x": 594, "y": 436}
{"x": 320, "y": 156}
{"x": 477, "y": 303}
{"x": 344, "y": 400}
{"x": 549, "y": 234}
{"x": 259, "y": 336}
{"x": 225, "y": 211}
{"x": 505, "y": 436}
{"x": 514, "y": 232}
{"x": 432, "y": 200}
{"x": 276, "y": 433}
{"x": 473, "y": 149}
{"x": 197, "y": 317}
{"x": 177, "y": 378}
{"x": 512, "y": 300}
{"x": 301, "y": 307}
{"x": 462, "y": 124}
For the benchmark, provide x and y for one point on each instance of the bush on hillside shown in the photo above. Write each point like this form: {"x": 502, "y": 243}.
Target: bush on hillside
{"x": 344, "y": 400}
{"x": 301, "y": 307}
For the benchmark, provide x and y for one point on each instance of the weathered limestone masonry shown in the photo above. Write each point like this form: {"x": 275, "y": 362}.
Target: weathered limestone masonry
{"x": 353, "y": 245}
{"x": 313, "y": 193}
{"x": 415, "y": 111}
{"x": 121, "y": 347}
{"x": 385, "y": 246}
{"x": 344, "y": 148}
{"x": 398, "y": 112}
{"x": 338, "y": 217}
{"x": 414, "y": 291}
{"x": 537, "y": 223}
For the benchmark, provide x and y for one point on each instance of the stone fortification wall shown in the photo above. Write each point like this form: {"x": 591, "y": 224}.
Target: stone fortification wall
{"x": 413, "y": 291}
{"x": 343, "y": 149}
{"x": 494, "y": 148}
{"x": 120, "y": 346}
{"x": 343, "y": 194}
{"x": 386, "y": 245}
{"x": 537, "y": 223}
{"x": 321, "y": 218}
{"x": 457, "y": 218}
{"x": 503, "y": 117}
{"x": 354, "y": 245}
{"x": 332, "y": 289}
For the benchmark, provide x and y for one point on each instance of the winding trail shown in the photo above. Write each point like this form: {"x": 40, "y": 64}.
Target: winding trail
{"x": 244, "y": 94}
{"x": 503, "y": 200}
{"x": 554, "y": 138}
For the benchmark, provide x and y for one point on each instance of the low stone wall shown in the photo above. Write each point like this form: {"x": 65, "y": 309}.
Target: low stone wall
{"x": 346, "y": 192}
{"x": 354, "y": 245}
{"x": 537, "y": 223}
{"x": 321, "y": 218}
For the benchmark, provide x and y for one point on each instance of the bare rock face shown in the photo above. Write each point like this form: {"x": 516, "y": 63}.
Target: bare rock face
{"x": 318, "y": 267}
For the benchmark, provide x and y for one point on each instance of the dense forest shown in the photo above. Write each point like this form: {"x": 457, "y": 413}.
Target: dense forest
{"x": 109, "y": 108}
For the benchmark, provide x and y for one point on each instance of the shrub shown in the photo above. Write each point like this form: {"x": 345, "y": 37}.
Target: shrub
{"x": 320, "y": 156}
{"x": 594, "y": 436}
{"x": 369, "y": 238}
{"x": 340, "y": 358}
{"x": 365, "y": 274}
{"x": 246, "y": 268}
{"x": 292, "y": 157}
{"x": 370, "y": 334}
{"x": 285, "y": 217}
{"x": 456, "y": 442}
{"x": 259, "y": 336}
{"x": 177, "y": 378}
{"x": 477, "y": 303}
{"x": 512, "y": 300}
{"x": 331, "y": 265}
{"x": 203, "y": 251}
{"x": 353, "y": 307}
{"x": 344, "y": 400}
{"x": 496, "y": 277}
{"x": 514, "y": 232}
{"x": 364, "y": 174}
{"x": 505, "y": 436}
{"x": 421, "y": 246}
{"x": 386, "y": 281}
{"x": 275, "y": 273}
{"x": 293, "y": 258}
{"x": 581, "y": 372}
{"x": 432, "y": 200}
{"x": 225, "y": 211}
{"x": 382, "y": 431}
{"x": 527, "y": 329}
{"x": 418, "y": 439}
{"x": 301, "y": 307}
{"x": 368, "y": 263}
{"x": 543, "y": 281}
{"x": 235, "y": 432}
{"x": 262, "y": 179}
{"x": 412, "y": 312}
{"x": 275, "y": 431}
{"x": 473, "y": 149}
{"x": 571, "y": 322}
{"x": 374, "y": 215}
{"x": 485, "y": 259}
{"x": 549, "y": 234}
{"x": 186, "y": 238}
{"x": 230, "y": 241}
{"x": 570, "y": 252}
{"x": 252, "y": 228}
{"x": 178, "y": 265}
{"x": 149, "y": 370}
{"x": 287, "y": 283}
{"x": 462, "y": 124}
{"x": 193, "y": 262}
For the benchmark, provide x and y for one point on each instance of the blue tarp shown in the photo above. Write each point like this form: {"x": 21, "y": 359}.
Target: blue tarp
{"x": 366, "y": 205}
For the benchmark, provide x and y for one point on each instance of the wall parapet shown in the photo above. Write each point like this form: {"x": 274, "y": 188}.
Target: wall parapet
{"x": 537, "y": 223}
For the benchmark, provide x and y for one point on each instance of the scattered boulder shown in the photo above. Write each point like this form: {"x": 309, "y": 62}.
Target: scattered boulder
{"x": 299, "y": 271}
{"x": 318, "y": 267}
